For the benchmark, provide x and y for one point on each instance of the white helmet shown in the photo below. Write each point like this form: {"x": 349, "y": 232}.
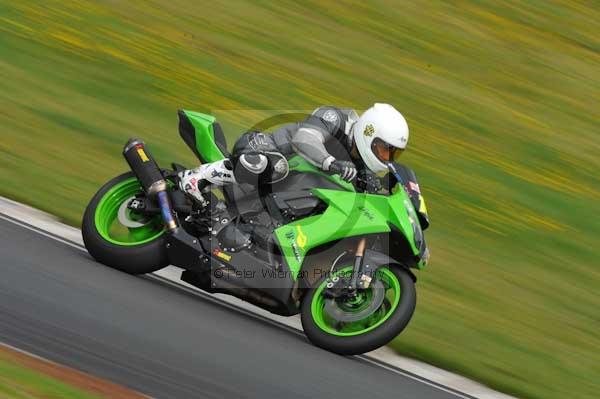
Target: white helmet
{"x": 380, "y": 134}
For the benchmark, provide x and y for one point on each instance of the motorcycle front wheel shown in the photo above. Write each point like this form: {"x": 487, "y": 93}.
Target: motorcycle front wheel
{"x": 355, "y": 325}
{"x": 118, "y": 237}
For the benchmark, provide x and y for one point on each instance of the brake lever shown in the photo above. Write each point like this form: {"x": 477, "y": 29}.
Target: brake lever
{"x": 367, "y": 184}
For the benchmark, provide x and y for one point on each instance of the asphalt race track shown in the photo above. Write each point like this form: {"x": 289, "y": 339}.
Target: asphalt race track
{"x": 56, "y": 302}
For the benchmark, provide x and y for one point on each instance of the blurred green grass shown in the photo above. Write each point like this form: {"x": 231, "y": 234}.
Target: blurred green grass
{"x": 503, "y": 103}
{"x": 20, "y": 382}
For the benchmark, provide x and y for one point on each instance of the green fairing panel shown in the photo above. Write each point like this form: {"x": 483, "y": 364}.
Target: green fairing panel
{"x": 348, "y": 214}
{"x": 299, "y": 164}
{"x": 205, "y": 137}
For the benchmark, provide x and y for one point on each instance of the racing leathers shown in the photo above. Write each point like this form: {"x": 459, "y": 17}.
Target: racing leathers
{"x": 323, "y": 138}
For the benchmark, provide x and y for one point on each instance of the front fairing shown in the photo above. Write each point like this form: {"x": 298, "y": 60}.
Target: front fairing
{"x": 407, "y": 218}
{"x": 350, "y": 214}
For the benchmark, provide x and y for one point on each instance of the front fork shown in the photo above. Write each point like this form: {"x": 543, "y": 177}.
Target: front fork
{"x": 361, "y": 273}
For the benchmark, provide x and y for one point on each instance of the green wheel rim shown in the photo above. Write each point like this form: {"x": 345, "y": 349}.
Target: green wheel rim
{"x": 107, "y": 221}
{"x": 371, "y": 322}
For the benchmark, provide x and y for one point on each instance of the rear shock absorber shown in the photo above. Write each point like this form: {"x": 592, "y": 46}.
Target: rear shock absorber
{"x": 150, "y": 177}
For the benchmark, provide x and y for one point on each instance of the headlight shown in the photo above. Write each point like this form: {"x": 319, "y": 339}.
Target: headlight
{"x": 417, "y": 233}
{"x": 425, "y": 256}
{"x": 418, "y": 237}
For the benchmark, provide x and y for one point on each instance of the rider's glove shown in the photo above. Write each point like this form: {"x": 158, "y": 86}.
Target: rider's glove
{"x": 345, "y": 169}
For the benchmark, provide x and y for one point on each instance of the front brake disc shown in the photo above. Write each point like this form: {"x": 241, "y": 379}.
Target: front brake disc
{"x": 335, "y": 311}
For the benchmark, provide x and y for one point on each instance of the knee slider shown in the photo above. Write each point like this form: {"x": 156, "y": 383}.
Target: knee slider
{"x": 254, "y": 163}
{"x": 250, "y": 167}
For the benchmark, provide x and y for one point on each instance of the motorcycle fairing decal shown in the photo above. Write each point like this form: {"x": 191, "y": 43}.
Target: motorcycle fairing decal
{"x": 301, "y": 238}
{"x": 422, "y": 206}
{"x": 220, "y": 254}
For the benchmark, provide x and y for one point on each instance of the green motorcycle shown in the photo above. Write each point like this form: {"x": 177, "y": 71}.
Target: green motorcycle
{"x": 310, "y": 244}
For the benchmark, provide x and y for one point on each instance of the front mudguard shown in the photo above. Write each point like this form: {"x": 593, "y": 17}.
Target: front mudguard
{"x": 373, "y": 260}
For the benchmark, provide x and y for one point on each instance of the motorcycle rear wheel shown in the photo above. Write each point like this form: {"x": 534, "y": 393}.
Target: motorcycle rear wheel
{"x": 137, "y": 247}
{"x": 375, "y": 321}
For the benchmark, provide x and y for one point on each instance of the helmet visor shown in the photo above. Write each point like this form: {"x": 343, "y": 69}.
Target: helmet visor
{"x": 386, "y": 152}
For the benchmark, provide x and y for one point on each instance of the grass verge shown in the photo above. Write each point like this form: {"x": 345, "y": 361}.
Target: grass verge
{"x": 25, "y": 377}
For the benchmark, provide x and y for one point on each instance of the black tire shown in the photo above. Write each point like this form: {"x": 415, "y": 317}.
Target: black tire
{"x": 135, "y": 259}
{"x": 354, "y": 345}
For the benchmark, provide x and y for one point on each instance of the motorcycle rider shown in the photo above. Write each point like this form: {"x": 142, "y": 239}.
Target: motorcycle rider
{"x": 333, "y": 139}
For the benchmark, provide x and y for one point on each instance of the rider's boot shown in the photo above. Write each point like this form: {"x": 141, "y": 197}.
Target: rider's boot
{"x": 193, "y": 181}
